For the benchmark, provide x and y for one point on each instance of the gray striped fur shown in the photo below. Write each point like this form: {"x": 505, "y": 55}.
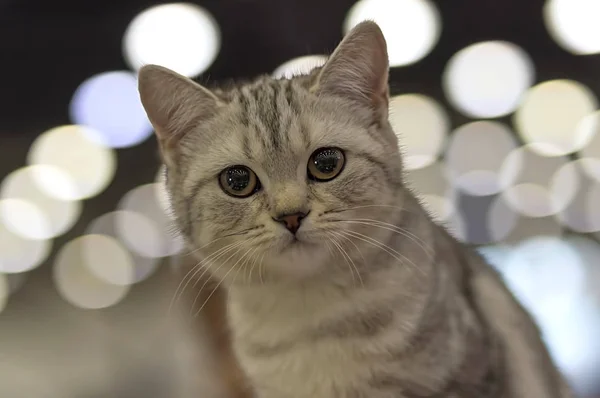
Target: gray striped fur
{"x": 393, "y": 307}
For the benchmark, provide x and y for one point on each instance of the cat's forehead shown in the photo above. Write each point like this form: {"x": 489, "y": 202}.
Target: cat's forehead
{"x": 275, "y": 125}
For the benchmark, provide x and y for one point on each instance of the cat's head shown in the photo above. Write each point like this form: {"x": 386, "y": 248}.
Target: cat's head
{"x": 277, "y": 178}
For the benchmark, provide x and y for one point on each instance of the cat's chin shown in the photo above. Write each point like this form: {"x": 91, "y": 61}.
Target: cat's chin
{"x": 296, "y": 258}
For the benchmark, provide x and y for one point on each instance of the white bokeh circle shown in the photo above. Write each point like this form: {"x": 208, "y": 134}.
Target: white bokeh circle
{"x": 19, "y": 254}
{"x": 299, "y": 66}
{"x": 476, "y": 153}
{"x": 551, "y": 117}
{"x": 183, "y": 37}
{"x": 141, "y": 267}
{"x": 574, "y": 24}
{"x": 411, "y": 27}
{"x": 78, "y": 152}
{"x": 74, "y": 279}
{"x": 488, "y": 79}
{"x": 421, "y": 125}
{"x": 29, "y": 212}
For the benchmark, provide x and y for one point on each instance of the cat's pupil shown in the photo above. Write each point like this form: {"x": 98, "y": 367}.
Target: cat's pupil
{"x": 327, "y": 160}
{"x": 238, "y": 178}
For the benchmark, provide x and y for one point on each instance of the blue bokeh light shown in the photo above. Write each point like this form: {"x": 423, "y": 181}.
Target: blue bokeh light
{"x": 109, "y": 102}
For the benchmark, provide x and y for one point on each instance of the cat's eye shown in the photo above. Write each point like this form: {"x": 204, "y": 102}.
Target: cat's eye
{"x": 239, "y": 181}
{"x": 325, "y": 164}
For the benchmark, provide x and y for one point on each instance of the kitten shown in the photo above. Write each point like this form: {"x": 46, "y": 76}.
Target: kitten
{"x": 338, "y": 283}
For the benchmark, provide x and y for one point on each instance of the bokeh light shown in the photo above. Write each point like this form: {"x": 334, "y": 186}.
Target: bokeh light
{"x": 399, "y": 20}
{"x": 29, "y": 212}
{"x": 582, "y": 213}
{"x": 537, "y": 186}
{"x": 153, "y": 235}
{"x": 501, "y": 219}
{"x": 496, "y": 255}
{"x": 19, "y": 254}
{"x": 421, "y": 125}
{"x": 435, "y": 191}
{"x": 139, "y": 267}
{"x": 183, "y": 37}
{"x": 299, "y": 66}
{"x": 551, "y": 114}
{"x": 110, "y": 104}
{"x": 476, "y": 153}
{"x": 590, "y": 154}
{"x": 589, "y": 253}
{"x": 74, "y": 279}
{"x": 79, "y": 165}
{"x": 16, "y": 281}
{"x": 4, "y": 292}
{"x": 548, "y": 277}
{"x": 574, "y": 24}
{"x": 488, "y": 79}
{"x": 531, "y": 227}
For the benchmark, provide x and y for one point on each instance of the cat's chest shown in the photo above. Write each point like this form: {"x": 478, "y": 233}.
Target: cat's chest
{"x": 324, "y": 369}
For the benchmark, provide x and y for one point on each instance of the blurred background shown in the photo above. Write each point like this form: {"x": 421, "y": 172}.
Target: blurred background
{"x": 495, "y": 103}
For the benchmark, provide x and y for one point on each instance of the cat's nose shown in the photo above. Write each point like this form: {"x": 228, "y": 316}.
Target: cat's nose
{"x": 291, "y": 221}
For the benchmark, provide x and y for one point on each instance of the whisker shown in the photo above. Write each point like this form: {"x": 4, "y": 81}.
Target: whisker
{"x": 208, "y": 279}
{"x": 221, "y": 281}
{"x": 390, "y": 207}
{"x": 260, "y": 267}
{"x": 191, "y": 274}
{"x": 352, "y": 261}
{"x": 393, "y": 228}
{"x": 400, "y": 257}
{"x": 253, "y": 265}
{"x": 346, "y": 258}
{"x": 246, "y": 261}
{"x": 203, "y": 246}
{"x": 353, "y": 244}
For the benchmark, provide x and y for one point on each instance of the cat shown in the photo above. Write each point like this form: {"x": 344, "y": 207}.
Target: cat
{"x": 338, "y": 283}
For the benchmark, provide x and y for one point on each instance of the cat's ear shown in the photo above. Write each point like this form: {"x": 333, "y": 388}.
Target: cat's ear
{"x": 358, "y": 68}
{"x": 174, "y": 104}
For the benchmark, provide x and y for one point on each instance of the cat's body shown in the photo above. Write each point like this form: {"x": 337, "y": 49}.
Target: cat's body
{"x": 339, "y": 284}
{"x": 450, "y": 331}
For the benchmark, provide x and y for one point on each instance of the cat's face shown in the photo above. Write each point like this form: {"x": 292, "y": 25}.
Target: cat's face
{"x": 278, "y": 178}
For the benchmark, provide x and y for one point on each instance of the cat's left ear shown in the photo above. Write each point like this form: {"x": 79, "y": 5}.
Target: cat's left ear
{"x": 175, "y": 105}
{"x": 358, "y": 69}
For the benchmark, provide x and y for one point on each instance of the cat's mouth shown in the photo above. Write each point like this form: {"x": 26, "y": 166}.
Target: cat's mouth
{"x": 296, "y": 241}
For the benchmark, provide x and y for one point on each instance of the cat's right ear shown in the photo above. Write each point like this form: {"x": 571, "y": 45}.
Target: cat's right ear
{"x": 174, "y": 105}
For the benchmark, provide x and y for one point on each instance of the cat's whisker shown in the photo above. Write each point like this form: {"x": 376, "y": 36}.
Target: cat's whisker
{"x": 355, "y": 246}
{"x": 249, "y": 255}
{"x": 347, "y": 259}
{"x": 236, "y": 245}
{"x": 254, "y": 262}
{"x": 208, "y": 279}
{"x": 393, "y": 228}
{"x": 205, "y": 283}
{"x": 379, "y": 206}
{"x": 260, "y": 267}
{"x": 191, "y": 274}
{"x": 208, "y": 260}
{"x": 222, "y": 279}
{"x": 352, "y": 261}
{"x": 399, "y": 256}
{"x": 203, "y": 246}
{"x": 237, "y": 233}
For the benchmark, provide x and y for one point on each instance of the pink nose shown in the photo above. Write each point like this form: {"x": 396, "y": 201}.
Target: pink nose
{"x": 291, "y": 221}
